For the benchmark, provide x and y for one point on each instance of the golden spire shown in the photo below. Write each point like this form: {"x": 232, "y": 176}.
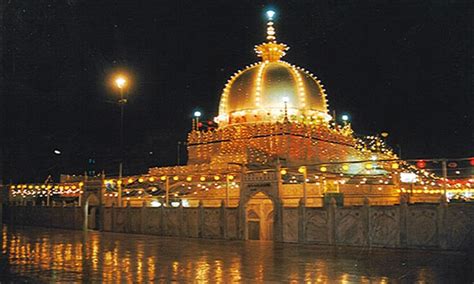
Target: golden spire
{"x": 271, "y": 50}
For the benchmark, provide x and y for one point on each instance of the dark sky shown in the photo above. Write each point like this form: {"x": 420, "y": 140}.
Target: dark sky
{"x": 403, "y": 66}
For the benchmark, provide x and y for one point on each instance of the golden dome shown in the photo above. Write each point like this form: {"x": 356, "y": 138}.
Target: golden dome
{"x": 272, "y": 90}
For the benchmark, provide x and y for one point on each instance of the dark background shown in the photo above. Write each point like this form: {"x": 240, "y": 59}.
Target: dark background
{"x": 404, "y": 67}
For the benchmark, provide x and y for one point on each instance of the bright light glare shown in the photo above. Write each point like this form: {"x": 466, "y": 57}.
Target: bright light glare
{"x": 345, "y": 117}
{"x": 120, "y": 82}
{"x": 285, "y": 99}
{"x": 408, "y": 177}
{"x": 270, "y": 14}
{"x": 57, "y": 152}
{"x": 155, "y": 203}
{"x": 197, "y": 113}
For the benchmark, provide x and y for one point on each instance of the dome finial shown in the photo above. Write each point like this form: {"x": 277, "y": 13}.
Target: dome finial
{"x": 271, "y": 50}
{"x": 271, "y": 35}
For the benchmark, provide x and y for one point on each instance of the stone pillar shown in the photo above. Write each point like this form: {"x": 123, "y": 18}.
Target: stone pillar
{"x": 101, "y": 217}
{"x": 241, "y": 230}
{"x": 278, "y": 221}
{"x": 181, "y": 219}
{"x": 128, "y": 226}
{"x": 162, "y": 220}
{"x": 112, "y": 217}
{"x": 367, "y": 241}
{"x": 223, "y": 220}
{"x": 403, "y": 222}
{"x": 74, "y": 216}
{"x": 143, "y": 217}
{"x": 302, "y": 220}
{"x": 331, "y": 211}
{"x": 200, "y": 219}
{"x": 441, "y": 223}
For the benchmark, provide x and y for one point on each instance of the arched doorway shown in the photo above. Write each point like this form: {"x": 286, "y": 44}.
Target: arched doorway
{"x": 259, "y": 215}
{"x": 91, "y": 213}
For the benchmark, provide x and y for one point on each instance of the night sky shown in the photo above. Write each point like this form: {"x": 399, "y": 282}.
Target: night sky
{"x": 404, "y": 67}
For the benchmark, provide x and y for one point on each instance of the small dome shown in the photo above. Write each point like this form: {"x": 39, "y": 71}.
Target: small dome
{"x": 266, "y": 90}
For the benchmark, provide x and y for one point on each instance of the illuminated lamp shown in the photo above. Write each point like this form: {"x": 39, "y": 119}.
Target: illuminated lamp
{"x": 130, "y": 180}
{"x": 323, "y": 169}
{"x": 163, "y": 178}
{"x": 395, "y": 166}
{"x": 302, "y": 169}
{"x": 230, "y": 177}
{"x": 421, "y": 164}
{"x": 368, "y": 166}
{"x": 119, "y": 182}
{"x": 203, "y": 178}
{"x": 175, "y": 178}
{"x": 152, "y": 179}
{"x": 270, "y": 14}
{"x": 140, "y": 180}
{"x": 283, "y": 172}
{"x": 217, "y": 177}
{"x": 345, "y": 167}
{"x": 189, "y": 178}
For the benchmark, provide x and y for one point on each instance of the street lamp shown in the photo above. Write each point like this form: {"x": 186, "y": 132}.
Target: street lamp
{"x": 197, "y": 115}
{"x": 345, "y": 118}
{"x": 121, "y": 82}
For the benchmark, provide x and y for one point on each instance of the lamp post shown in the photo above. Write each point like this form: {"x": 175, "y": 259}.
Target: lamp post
{"x": 197, "y": 115}
{"x": 121, "y": 82}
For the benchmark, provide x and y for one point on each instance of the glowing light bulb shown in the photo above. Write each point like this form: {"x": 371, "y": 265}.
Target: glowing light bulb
{"x": 120, "y": 82}
{"x": 270, "y": 14}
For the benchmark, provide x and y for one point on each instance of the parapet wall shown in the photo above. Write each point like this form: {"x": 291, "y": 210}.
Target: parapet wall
{"x": 432, "y": 226}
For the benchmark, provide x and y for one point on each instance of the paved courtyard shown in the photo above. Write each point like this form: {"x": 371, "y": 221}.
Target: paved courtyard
{"x": 43, "y": 255}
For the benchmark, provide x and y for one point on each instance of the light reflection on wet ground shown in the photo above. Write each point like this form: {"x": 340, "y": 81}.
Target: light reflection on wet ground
{"x": 39, "y": 254}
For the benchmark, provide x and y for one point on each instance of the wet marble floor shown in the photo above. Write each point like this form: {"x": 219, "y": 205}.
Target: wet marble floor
{"x": 34, "y": 254}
